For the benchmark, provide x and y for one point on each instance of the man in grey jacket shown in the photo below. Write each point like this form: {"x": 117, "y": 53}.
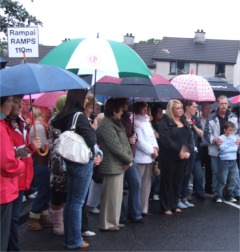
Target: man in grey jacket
{"x": 213, "y": 129}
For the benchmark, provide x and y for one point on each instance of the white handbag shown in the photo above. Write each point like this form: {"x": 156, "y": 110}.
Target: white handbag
{"x": 71, "y": 146}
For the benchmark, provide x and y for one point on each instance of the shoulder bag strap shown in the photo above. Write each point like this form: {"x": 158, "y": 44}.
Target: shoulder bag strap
{"x": 75, "y": 118}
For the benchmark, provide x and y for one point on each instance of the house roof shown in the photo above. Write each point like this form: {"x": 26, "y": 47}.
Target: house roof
{"x": 211, "y": 51}
{"x": 146, "y": 52}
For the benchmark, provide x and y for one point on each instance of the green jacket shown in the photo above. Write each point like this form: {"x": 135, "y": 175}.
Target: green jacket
{"x": 113, "y": 141}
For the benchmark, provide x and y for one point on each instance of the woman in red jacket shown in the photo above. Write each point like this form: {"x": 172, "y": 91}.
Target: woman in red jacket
{"x": 11, "y": 168}
{"x": 24, "y": 149}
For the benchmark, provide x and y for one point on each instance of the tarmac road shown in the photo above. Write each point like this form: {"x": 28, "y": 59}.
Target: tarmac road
{"x": 209, "y": 226}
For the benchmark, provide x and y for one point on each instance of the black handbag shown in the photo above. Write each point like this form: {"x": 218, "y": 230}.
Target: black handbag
{"x": 97, "y": 176}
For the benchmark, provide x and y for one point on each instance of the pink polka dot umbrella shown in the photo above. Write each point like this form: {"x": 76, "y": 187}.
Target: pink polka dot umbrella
{"x": 193, "y": 87}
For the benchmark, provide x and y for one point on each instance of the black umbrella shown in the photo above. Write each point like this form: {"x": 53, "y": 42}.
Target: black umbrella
{"x": 221, "y": 86}
{"x": 156, "y": 87}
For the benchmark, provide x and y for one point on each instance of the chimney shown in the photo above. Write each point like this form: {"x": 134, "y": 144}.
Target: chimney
{"x": 199, "y": 37}
{"x": 128, "y": 39}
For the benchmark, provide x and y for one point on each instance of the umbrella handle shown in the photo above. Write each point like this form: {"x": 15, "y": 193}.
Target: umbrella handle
{"x": 43, "y": 154}
{"x": 38, "y": 151}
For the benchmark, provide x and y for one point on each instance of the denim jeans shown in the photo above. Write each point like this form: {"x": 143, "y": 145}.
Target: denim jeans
{"x": 78, "y": 180}
{"x": 236, "y": 191}
{"x": 133, "y": 209}
{"x": 13, "y": 244}
{"x": 185, "y": 191}
{"x": 227, "y": 175}
{"x": 198, "y": 176}
{"x": 206, "y": 162}
{"x": 214, "y": 165}
{"x": 42, "y": 179}
{"x": 155, "y": 185}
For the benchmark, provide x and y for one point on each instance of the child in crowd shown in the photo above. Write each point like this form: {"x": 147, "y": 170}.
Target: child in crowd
{"x": 228, "y": 170}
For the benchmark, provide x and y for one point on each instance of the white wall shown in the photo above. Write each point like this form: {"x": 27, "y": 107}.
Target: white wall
{"x": 232, "y": 73}
{"x": 229, "y": 71}
{"x": 206, "y": 69}
{"x": 236, "y": 72}
{"x": 163, "y": 68}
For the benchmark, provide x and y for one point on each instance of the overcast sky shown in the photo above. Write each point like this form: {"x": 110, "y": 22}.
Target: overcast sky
{"x": 145, "y": 19}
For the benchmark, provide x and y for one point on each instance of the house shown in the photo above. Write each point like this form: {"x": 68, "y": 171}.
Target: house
{"x": 174, "y": 56}
{"x": 197, "y": 55}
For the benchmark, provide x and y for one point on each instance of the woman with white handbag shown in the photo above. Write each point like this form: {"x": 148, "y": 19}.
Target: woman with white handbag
{"x": 78, "y": 175}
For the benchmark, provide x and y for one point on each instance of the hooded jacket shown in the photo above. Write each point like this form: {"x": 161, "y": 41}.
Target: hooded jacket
{"x": 212, "y": 130}
{"x": 21, "y": 138}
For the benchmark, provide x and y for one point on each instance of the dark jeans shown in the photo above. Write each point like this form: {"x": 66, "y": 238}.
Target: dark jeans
{"x": 16, "y": 212}
{"x": 155, "y": 185}
{"x": 78, "y": 180}
{"x": 198, "y": 175}
{"x": 6, "y": 212}
{"x": 85, "y": 223}
{"x": 227, "y": 175}
{"x": 206, "y": 163}
{"x": 42, "y": 178}
{"x": 32, "y": 189}
{"x": 132, "y": 209}
{"x": 188, "y": 172}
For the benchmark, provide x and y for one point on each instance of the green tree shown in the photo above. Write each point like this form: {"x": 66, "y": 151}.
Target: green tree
{"x": 14, "y": 15}
{"x": 150, "y": 41}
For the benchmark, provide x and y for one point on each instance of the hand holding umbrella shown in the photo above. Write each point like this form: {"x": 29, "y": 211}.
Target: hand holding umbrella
{"x": 36, "y": 142}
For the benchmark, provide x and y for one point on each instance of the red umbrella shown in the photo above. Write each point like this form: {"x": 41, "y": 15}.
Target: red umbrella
{"x": 235, "y": 99}
{"x": 48, "y": 99}
{"x": 194, "y": 88}
{"x": 33, "y": 96}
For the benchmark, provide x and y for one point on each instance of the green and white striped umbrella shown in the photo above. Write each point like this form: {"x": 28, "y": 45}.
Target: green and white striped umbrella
{"x": 85, "y": 56}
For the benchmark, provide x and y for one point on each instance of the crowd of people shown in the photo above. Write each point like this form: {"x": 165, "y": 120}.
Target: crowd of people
{"x": 143, "y": 150}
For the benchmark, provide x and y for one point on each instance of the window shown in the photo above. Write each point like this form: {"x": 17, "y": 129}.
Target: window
{"x": 182, "y": 67}
{"x": 172, "y": 67}
{"x": 220, "y": 70}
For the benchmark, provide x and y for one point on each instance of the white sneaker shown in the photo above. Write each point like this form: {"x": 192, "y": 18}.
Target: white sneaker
{"x": 88, "y": 233}
{"x": 219, "y": 200}
{"x": 232, "y": 200}
{"x": 33, "y": 195}
{"x": 94, "y": 210}
{"x": 156, "y": 197}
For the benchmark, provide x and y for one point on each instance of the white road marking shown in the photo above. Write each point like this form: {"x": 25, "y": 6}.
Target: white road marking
{"x": 232, "y": 204}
